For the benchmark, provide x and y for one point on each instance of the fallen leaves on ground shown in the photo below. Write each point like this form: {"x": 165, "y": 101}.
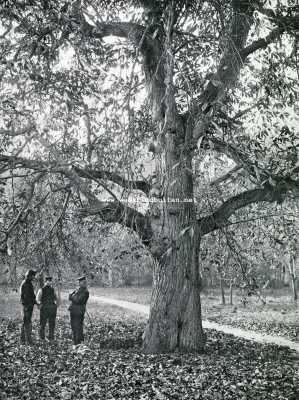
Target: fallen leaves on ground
{"x": 111, "y": 365}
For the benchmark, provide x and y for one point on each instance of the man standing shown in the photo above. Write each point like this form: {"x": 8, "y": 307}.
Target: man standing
{"x": 48, "y": 302}
{"x": 77, "y": 310}
{"x": 28, "y": 300}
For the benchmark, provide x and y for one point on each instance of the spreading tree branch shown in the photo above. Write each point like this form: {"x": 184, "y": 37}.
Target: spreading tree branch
{"x": 151, "y": 50}
{"x": 110, "y": 212}
{"x": 13, "y": 132}
{"x": 239, "y": 157}
{"x": 144, "y": 186}
{"x": 234, "y": 57}
{"x": 229, "y": 66}
{"x": 288, "y": 21}
{"x": 116, "y": 212}
{"x": 268, "y": 194}
{"x": 227, "y": 176}
{"x": 262, "y": 43}
{"x": 8, "y": 162}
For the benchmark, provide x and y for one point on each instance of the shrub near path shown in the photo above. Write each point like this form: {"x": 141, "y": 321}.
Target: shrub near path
{"x": 114, "y": 367}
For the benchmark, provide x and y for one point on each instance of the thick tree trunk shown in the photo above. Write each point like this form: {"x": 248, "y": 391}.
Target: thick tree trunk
{"x": 175, "y": 317}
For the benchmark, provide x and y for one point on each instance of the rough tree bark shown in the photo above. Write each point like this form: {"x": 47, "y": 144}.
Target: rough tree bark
{"x": 175, "y": 316}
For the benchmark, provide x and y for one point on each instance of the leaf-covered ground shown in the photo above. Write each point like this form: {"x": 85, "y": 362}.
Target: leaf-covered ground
{"x": 112, "y": 366}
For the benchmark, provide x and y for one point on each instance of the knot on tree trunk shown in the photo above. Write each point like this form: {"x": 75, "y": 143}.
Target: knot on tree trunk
{"x": 159, "y": 247}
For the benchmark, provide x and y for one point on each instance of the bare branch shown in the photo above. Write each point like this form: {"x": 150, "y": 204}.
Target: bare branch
{"x": 229, "y": 66}
{"x": 262, "y": 43}
{"x": 36, "y": 165}
{"x": 88, "y": 132}
{"x": 288, "y": 21}
{"x": 19, "y": 132}
{"x": 61, "y": 215}
{"x": 239, "y": 157}
{"x": 144, "y": 186}
{"x": 120, "y": 213}
{"x": 225, "y": 177}
{"x": 151, "y": 50}
{"x": 64, "y": 168}
{"x": 268, "y": 194}
{"x": 243, "y": 112}
{"x": 268, "y": 216}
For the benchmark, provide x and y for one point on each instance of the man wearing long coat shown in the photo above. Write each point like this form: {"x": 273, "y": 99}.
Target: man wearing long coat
{"x": 28, "y": 301}
{"x": 48, "y": 302}
{"x": 77, "y": 310}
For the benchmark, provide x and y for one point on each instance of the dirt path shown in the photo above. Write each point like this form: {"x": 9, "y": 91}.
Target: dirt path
{"x": 250, "y": 335}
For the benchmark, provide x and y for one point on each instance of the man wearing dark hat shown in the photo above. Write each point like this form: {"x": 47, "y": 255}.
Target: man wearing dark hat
{"x": 47, "y": 299}
{"x": 28, "y": 300}
{"x": 77, "y": 310}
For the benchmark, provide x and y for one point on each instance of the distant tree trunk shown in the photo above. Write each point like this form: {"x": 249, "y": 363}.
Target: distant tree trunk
{"x": 292, "y": 270}
{"x": 12, "y": 277}
{"x": 231, "y": 292}
{"x": 4, "y": 271}
{"x": 211, "y": 278}
{"x": 283, "y": 275}
{"x": 244, "y": 299}
{"x": 222, "y": 290}
{"x": 110, "y": 277}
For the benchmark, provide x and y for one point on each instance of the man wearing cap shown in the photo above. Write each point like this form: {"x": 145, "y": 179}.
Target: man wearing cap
{"x": 77, "y": 309}
{"x": 47, "y": 299}
{"x": 28, "y": 300}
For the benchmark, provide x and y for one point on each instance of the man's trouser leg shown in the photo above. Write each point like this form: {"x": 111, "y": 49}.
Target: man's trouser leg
{"x": 52, "y": 319}
{"x": 43, "y": 318}
{"x": 80, "y": 328}
{"x": 23, "y": 338}
{"x": 26, "y": 330}
{"x": 75, "y": 327}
